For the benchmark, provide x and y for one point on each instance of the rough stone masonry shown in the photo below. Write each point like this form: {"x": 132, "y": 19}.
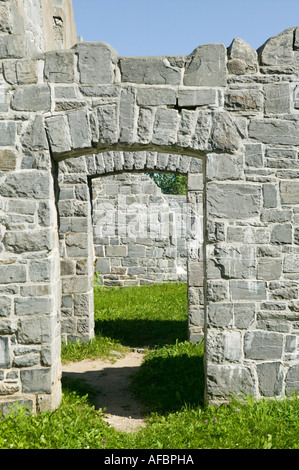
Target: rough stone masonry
{"x": 225, "y": 117}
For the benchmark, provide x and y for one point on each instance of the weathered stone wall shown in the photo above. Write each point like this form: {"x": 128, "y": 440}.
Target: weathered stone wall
{"x": 68, "y": 116}
{"x": 139, "y": 233}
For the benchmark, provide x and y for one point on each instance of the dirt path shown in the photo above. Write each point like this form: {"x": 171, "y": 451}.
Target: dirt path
{"x": 121, "y": 410}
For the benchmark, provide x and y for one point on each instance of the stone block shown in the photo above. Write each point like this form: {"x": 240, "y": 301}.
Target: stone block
{"x": 60, "y": 66}
{"x": 28, "y": 241}
{"x": 149, "y": 71}
{"x": 243, "y": 59}
{"x": 7, "y": 133}
{"x": 164, "y": 132}
{"x": 116, "y": 251}
{"x": 103, "y": 265}
{"x": 79, "y": 129}
{"x": 250, "y": 100}
{"x": 292, "y": 380}
{"x": 291, "y": 263}
{"x": 13, "y": 46}
{"x": 278, "y": 50}
{"x": 276, "y": 131}
{"x": 36, "y": 330}
{"x": 154, "y": 96}
{"x": 270, "y": 379}
{"x": 270, "y": 196}
{"x": 233, "y": 201}
{"x": 4, "y": 352}
{"x": 8, "y": 160}
{"x": 59, "y": 134}
{"x": 126, "y": 115}
{"x": 277, "y": 98}
{"x": 289, "y": 192}
{"x": 35, "y": 137}
{"x": 236, "y": 262}
{"x": 108, "y": 123}
{"x": 224, "y": 135}
{"x": 244, "y": 315}
{"x": 20, "y": 72}
{"x": 33, "y": 306}
{"x": 248, "y": 290}
{"x": 224, "y": 167}
{"x": 254, "y": 155}
{"x": 230, "y": 380}
{"x": 224, "y": 347}
{"x": 269, "y": 269}
{"x": 197, "y": 97}
{"x": 36, "y": 380}
{"x": 77, "y": 245}
{"x": 220, "y": 315}
{"x": 261, "y": 345}
{"x": 96, "y": 62}
{"x": 12, "y": 274}
{"x": 282, "y": 234}
{"x": 206, "y": 66}
{"x": 32, "y": 98}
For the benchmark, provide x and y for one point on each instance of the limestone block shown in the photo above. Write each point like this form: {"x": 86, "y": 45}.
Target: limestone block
{"x": 60, "y": 66}
{"x": 145, "y": 125}
{"x": 19, "y": 185}
{"x": 12, "y": 274}
{"x": 149, "y": 71}
{"x": 108, "y": 123}
{"x": 28, "y": 241}
{"x": 224, "y": 135}
{"x": 224, "y": 347}
{"x": 292, "y": 381}
{"x": 244, "y": 100}
{"x": 13, "y": 46}
{"x": 291, "y": 263}
{"x": 220, "y": 315}
{"x": 282, "y": 234}
{"x": 231, "y": 201}
{"x": 5, "y": 306}
{"x": 278, "y": 50}
{"x": 276, "y": 131}
{"x": 235, "y": 380}
{"x": 270, "y": 379}
{"x": 36, "y": 380}
{"x": 269, "y": 269}
{"x": 223, "y": 167}
{"x": 165, "y": 127}
{"x": 127, "y": 112}
{"x": 270, "y": 195}
{"x": 79, "y": 129}
{"x": 96, "y": 62}
{"x": 186, "y": 129}
{"x": 33, "y": 306}
{"x": 32, "y": 98}
{"x": 4, "y": 352}
{"x": 278, "y": 98}
{"x": 206, "y": 66}
{"x": 8, "y": 160}
{"x": 244, "y": 315}
{"x": 7, "y": 133}
{"x": 260, "y": 345}
{"x": 236, "y": 262}
{"x": 35, "y": 136}
{"x": 5, "y": 18}
{"x": 21, "y": 72}
{"x": 59, "y": 133}
{"x": 289, "y": 192}
{"x": 254, "y": 155}
{"x": 243, "y": 58}
{"x": 197, "y": 97}
{"x": 248, "y": 290}
{"x": 154, "y": 96}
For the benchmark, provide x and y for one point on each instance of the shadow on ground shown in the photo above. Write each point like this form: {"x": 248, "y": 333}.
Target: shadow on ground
{"x": 143, "y": 333}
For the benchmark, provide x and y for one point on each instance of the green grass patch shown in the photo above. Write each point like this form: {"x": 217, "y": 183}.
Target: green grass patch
{"x": 170, "y": 384}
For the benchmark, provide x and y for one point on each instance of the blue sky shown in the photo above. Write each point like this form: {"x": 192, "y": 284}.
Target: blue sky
{"x": 177, "y": 27}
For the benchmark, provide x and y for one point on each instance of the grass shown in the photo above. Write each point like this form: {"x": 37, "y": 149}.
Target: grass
{"x": 169, "y": 383}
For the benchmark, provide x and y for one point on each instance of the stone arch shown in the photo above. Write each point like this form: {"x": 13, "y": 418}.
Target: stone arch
{"x": 76, "y": 234}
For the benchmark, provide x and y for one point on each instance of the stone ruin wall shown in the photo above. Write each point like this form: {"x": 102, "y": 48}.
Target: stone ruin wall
{"x": 139, "y": 234}
{"x": 69, "y": 116}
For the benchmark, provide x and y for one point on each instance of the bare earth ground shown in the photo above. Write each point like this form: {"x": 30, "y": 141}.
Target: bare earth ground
{"x": 121, "y": 410}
